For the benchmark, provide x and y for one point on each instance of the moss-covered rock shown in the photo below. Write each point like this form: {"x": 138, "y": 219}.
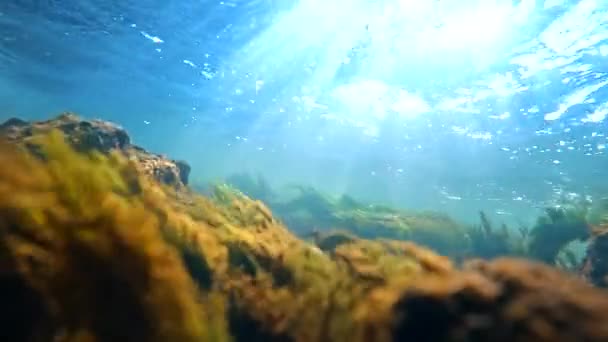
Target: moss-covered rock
{"x": 83, "y": 240}
{"x": 310, "y": 209}
{"x": 101, "y": 136}
{"x": 93, "y": 248}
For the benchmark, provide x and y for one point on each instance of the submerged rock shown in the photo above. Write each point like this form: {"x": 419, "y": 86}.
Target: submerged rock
{"x": 503, "y": 300}
{"x": 93, "y": 248}
{"x": 89, "y": 135}
{"x": 310, "y": 208}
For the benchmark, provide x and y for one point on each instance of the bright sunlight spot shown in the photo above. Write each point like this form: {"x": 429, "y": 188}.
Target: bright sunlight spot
{"x": 365, "y": 59}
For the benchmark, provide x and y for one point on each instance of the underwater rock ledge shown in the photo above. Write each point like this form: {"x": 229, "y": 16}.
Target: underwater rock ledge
{"x": 103, "y": 136}
{"x": 95, "y": 247}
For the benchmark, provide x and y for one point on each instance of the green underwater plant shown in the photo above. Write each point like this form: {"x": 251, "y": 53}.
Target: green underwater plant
{"x": 254, "y": 187}
{"x": 488, "y": 243}
{"x": 560, "y": 226}
{"x": 595, "y": 264}
{"x": 312, "y": 210}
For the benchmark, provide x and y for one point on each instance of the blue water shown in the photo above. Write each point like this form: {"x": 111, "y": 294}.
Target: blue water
{"x": 449, "y": 105}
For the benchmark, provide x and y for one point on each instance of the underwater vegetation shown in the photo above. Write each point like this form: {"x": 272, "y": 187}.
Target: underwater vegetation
{"x": 97, "y": 247}
{"x": 594, "y": 267}
{"x": 255, "y": 187}
{"x": 595, "y": 264}
{"x": 330, "y": 219}
{"x": 487, "y": 242}
{"x": 557, "y": 228}
{"x": 100, "y": 136}
{"x": 83, "y": 253}
{"x": 306, "y": 209}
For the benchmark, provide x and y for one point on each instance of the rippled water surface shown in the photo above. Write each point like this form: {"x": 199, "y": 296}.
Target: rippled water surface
{"x": 447, "y": 105}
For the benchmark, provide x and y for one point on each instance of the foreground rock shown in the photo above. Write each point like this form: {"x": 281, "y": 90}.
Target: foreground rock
{"x": 102, "y": 136}
{"x": 92, "y": 248}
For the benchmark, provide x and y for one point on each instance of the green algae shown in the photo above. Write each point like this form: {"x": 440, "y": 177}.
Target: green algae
{"x": 161, "y": 263}
{"x": 77, "y": 234}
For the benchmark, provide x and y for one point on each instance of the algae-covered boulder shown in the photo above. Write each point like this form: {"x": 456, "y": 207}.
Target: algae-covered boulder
{"x": 84, "y": 257}
{"x": 311, "y": 209}
{"x": 102, "y": 136}
{"x": 503, "y": 300}
{"x": 94, "y": 248}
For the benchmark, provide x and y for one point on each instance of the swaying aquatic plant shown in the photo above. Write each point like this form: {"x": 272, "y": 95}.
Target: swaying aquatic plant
{"x": 489, "y": 243}
{"x": 559, "y": 226}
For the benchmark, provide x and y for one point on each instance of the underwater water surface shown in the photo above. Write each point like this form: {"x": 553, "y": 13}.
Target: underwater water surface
{"x": 452, "y": 106}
